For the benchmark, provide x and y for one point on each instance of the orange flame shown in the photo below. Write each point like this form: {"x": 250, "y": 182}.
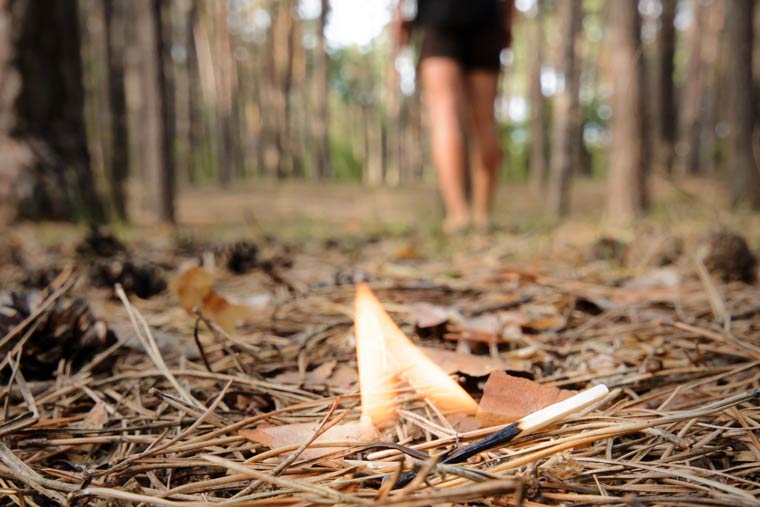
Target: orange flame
{"x": 384, "y": 353}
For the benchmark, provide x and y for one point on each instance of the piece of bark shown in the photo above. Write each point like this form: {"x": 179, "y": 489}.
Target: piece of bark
{"x": 507, "y": 399}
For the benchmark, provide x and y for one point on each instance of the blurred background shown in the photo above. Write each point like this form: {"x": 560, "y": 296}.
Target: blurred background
{"x": 197, "y": 111}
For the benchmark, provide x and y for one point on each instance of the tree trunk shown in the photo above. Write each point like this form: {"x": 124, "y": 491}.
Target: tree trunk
{"x": 281, "y": 51}
{"x": 157, "y": 132}
{"x": 118, "y": 165}
{"x": 627, "y": 185}
{"x": 42, "y": 112}
{"x": 666, "y": 99}
{"x": 539, "y": 144}
{"x": 693, "y": 93}
{"x": 196, "y": 127}
{"x": 226, "y": 90}
{"x": 567, "y": 118}
{"x": 745, "y": 178}
{"x": 321, "y": 120}
{"x": 756, "y": 71}
{"x": 701, "y": 97}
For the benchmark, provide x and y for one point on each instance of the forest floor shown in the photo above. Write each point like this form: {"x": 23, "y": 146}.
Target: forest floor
{"x": 170, "y": 392}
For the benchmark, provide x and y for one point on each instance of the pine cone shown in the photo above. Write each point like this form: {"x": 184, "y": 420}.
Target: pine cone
{"x": 241, "y": 256}
{"x": 66, "y": 331}
{"x": 140, "y": 278}
{"x": 728, "y": 256}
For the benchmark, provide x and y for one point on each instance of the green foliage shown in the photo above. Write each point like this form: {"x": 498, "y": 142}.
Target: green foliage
{"x": 514, "y": 142}
{"x": 347, "y": 168}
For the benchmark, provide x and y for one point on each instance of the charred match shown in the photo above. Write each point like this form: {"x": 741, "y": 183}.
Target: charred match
{"x": 528, "y": 424}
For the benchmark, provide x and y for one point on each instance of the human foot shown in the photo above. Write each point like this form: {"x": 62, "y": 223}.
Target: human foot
{"x": 456, "y": 225}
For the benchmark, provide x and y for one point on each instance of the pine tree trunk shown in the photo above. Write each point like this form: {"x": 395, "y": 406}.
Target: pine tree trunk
{"x": 196, "y": 127}
{"x": 118, "y": 165}
{"x": 281, "y": 51}
{"x": 701, "y": 96}
{"x": 321, "y": 122}
{"x": 627, "y": 182}
{"x": 666, "y": 99}
{"x": 567, "y": 118}
{"x": 226, "y": 90}
{"x": 743, "y": 168}
{"x": 157, "y": 132}
{"x": 539, "y": 144}
{"x": 693, "y": 92}
{"x": 43, "y": 112}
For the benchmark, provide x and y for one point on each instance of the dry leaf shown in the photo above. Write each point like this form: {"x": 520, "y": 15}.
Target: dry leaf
{"x": 546, "y": 323}
{"x": 317, "y": 376}
{"x": 500, "y": 326}
{"x": 563, "y": 466}
{"x": 96, "y": 418}
{"x": 667, "y": 278}
{"x": 193, "y": 289}
{"x": 407, "y": 251}
{"x": 296, "y": 434}
{"x": 426, "y": 315}
{"x": 507, "y": 399}
{"x": 452, "y": 362}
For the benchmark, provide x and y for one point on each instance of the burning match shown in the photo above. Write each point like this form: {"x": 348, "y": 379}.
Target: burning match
{"x": 528, "y": 424}
{"x": 384, "y": 353}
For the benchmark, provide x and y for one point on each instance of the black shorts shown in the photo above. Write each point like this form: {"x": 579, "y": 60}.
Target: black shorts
{"x": 473, "y": 49}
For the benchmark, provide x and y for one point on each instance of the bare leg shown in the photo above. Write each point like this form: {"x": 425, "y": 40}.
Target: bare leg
{"x": 443, "y": 93}
{"x": 485, "y": 149}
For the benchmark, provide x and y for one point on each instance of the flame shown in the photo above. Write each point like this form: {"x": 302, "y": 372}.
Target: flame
{"x": 384, "y": 353}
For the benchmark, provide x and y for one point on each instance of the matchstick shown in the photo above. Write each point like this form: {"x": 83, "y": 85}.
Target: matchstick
{"x": 528, "y": 424}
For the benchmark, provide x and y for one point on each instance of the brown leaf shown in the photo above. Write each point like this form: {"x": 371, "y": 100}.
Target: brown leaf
{"x": 298, "y": 433}
{"x": 546, "y": 323}
{"x": 498, "y": 326}
{"x": 317, "y": 376}
{"x": 193, "y": 289}
{"x": 563, "y": 466}
{"x": 96, "y": 418}
{"x": 427, "y": 315}
{"x": 452, "y": 362}
{"x": 507, "y": 399}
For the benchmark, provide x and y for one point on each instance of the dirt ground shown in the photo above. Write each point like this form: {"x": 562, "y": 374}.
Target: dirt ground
{"x": 313, "y": 210}
{"x": 567, "y": 304}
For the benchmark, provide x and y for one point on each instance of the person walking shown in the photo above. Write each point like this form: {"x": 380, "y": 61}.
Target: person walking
{"x": 459, "y": 65}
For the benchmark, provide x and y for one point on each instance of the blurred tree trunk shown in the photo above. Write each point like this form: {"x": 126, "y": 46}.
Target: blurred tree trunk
{"x": 745, "y": 178}
{"x": 373, "y": 145}
{"x": 539, "y": 144}
{"x": 226, "y": 79}
{"x": 282, "y": 34}
{"x": 693, "y": 93}
{"x": 627, "y": 182}
{"x": 414, "y": 151}
{"x": 567, "y": 121}
{"x": 196, "y": 127}
{"x": 700, "y": 103}
{"x": 182, "y": 72}
{"x": 118, "y": 163}
{"x": 156, "y": 134}
{"x": 756, "y": 71}
{"x": 665, "y": 88}
{"x": 297, "y": 99}
{"x": 321, "y": 121}
{"x": 393, "y": 126}
{"x": 42, "y": 112}
{"x": 713, "y": 99}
